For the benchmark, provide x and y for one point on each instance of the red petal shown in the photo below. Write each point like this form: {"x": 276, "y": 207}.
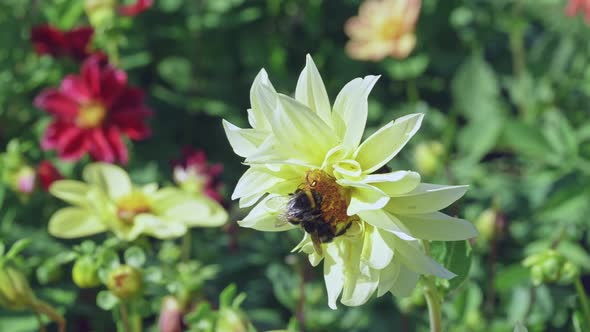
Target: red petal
{"x": 48, "y": 40}
{"x": 113, "y": 84}
{"x": 75, "y": 87}
{"x": 71, "y": 143}
{"x": 114, "y": 137}
{"x": 57, "y": 103}
{"x": 100, "y": 149}
{"x": 78, "y": 41}
{"x": 47, "y": 174}
{"x": 136, "y": 8}
{"x": 129, "y": 98}
{"x": 131, "y": 122}
{"x": 91, "y": 69}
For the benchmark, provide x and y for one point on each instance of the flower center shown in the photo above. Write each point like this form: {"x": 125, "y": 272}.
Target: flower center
{"x": 391, "y": 28}
{"x": 91, "y": 115}
{"x": 319, "y": 205}
{"x": 131, "y": 205}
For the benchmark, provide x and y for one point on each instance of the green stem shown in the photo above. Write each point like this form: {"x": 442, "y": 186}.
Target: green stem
{"x": 434, "y": 304}
{"x": 125, "y": 317}
{"x": 583, "y": 299}
{"x": 41, "y": 307}
{"x": 186, "y": 246}
{"x": 433, "y": 299}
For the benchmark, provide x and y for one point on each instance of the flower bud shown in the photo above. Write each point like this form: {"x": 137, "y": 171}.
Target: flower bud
{"x": 485, "y": 225}
{"x": 24, "y": 180}
{"x": 231, "y": 320}
{"x": 85, "y": 272}
{"x": 569, "y": 272}
{"x": 125, "y": 282}
{"x": 428, "y": 157}
{"x": 552, "y": 268}
{"x": 170, "y": 315}
{"x": 15, "y": 292}
{"x": 100, "y": 12}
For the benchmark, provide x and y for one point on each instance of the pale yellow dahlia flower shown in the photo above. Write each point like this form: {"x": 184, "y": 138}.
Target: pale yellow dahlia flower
{"x": 383, "y": 28}
{"x": 107, "y": 200}
{"x": 309, "y": 167}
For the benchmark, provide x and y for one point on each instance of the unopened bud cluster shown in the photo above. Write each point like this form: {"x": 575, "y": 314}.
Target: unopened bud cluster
{"x": 550, "y": 266}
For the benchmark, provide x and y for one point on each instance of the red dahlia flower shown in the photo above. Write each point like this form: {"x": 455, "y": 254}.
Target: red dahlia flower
{"x": 193, "y": 174}
{"x": 92, "y": 112}
{"x": 575, "y": 6}
{"x": 74, "y": 43}
{"x": 134, "y": 9}
{"x": 47, "y": 174}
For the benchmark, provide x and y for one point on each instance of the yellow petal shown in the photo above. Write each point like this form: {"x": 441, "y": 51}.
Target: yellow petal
{"x": 111, "y": 179}
{"x": 426, "y": 198}
{"x": 71, "y": 222}
{"x": 73, "y": 192}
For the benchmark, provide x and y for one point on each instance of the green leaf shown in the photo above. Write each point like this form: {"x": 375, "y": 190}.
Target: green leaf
{"x": 407, "y": 69}
{"x": 17, "y": 247}
{"x": 474, "y": 86}
{"x": 456, "y": 257}
{"x": 176, "y": 71}
{"x": 480, "y": 136}
{"x": 560, "y": 135}
{"x": 106, "y": 300}
{"x": 507, "y": 278}
{"x": 134, "y": 256}
{"x": 524, "y": 139}
{"x": 227, "y": 296}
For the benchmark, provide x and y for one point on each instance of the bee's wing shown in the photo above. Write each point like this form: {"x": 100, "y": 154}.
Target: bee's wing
{"x": 317, "y": 243}
{"x": 278, "y": 203}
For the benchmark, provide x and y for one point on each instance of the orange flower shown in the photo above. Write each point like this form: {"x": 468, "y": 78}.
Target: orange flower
{"x": 382, "y": 28}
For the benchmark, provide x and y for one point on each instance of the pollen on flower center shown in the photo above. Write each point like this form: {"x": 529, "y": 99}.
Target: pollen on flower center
{"x": 131, "y": 205}
{"x": 391, "y": 28}
{"x": 91, "y": 115}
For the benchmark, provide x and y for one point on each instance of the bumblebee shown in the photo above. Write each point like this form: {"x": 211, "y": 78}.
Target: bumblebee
{"x": 308, "y": 207}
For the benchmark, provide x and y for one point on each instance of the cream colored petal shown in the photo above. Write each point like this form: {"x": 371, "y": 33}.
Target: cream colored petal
{"x": 364, "y": 197}
{"x": 394, "y": 183}
{"x": 244, "y": 142}
{"x": 384, "y": 144}
{"x": 71, "y": 222}
{"x": 405, "y": 283}
{"x": 70, "y": 191}
{"x": 333, "y": 273}
{"x": 348, "y": 169}
{"x": 388, "y": 277}
{"x": 412, "y": 256}
{"x": 263, "y": 102}
{"x": 111, "y": 179}
{"x": 350, "y": 110}
{"x": 426, "y": 198}
{"x": 311, "y": 91}
{"x": 362, "y": 289}
{"x": 255, "y": 180}
{"x": 354, "y": 275}
{"x": 376, "y": 253}
{"x": 197, "y": 211}
{"x": 438, "y": 226}
{"x": 158, "y": 227}
{"x": 268, "y": 215}
{"x": 302, "y": 132}
{"x": 386, "y": 221}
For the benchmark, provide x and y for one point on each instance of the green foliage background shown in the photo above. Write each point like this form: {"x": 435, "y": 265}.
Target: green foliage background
{"x": 505, "y": 86}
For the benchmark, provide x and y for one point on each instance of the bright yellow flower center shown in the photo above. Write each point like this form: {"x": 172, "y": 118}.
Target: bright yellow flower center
{"x": 131, "y": 205}
{"x": 91, "y": 115}
{"x": 391, "y": 28}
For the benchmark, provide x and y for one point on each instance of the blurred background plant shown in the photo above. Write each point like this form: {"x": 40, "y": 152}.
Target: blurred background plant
{"x": 504, "y": 84}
